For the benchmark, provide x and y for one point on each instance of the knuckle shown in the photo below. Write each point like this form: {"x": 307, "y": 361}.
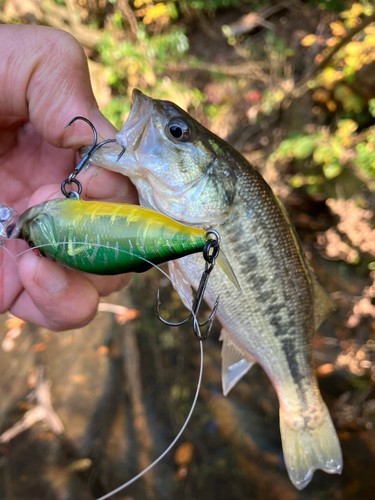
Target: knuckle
{"x": 65, "y": 46}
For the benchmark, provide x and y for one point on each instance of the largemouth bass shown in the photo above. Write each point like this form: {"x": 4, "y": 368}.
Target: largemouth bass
{"x": 104, "y": 238}
{"x": 185, "y": 172}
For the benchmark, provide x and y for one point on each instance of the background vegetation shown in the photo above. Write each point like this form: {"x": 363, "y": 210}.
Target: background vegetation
{"x": 290, "y": 84}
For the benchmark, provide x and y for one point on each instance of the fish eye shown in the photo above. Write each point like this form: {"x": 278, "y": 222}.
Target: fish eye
{"x": 178, "y": 129}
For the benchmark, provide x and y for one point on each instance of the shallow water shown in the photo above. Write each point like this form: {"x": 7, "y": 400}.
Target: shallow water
{"x": 122, "y": 393}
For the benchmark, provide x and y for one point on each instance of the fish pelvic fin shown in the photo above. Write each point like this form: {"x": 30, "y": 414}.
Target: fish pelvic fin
{"x": 227, "y": 269}
{"x": 308, "y": 448}
{"x": 235, "y": 363}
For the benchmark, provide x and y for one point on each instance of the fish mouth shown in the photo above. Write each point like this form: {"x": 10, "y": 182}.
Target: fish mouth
{"x": 127, "y": 140}
{"x": 8, "y": 220}
{"x": 131, "y": 134}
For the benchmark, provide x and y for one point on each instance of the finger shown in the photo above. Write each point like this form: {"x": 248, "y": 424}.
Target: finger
{"x": 54, "y": 297}
{"x": 106, "y": 285}
{"x": 10, "y": 284}
{"x": 44, "y": 77}
{"x": 102, "y": 185}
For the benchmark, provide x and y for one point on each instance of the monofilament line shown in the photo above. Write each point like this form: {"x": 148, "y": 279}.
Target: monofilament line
{"x": 165, "y": 452}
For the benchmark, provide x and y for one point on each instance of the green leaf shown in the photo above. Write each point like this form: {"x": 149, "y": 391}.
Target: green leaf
{"x": 371, "y": 107}
{"x": 353, "y": 102}
{"x": 350, "y": 125}
{"x": 332, "y": 170}
{"x": 303, "y": 148}
{"x": 323, "y": 154}
{"x": 285, "y": 148}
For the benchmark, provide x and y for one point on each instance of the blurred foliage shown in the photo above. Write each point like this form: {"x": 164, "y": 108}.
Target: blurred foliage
{"x": 349, "y": 142}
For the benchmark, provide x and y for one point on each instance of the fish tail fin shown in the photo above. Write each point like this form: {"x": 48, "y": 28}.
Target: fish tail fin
{"x": 307, "y": 448}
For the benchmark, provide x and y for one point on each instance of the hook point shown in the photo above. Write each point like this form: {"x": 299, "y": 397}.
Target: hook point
{"x": 121, "y": 153}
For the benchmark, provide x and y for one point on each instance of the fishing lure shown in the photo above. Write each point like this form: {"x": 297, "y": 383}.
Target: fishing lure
{"x": 88, "y": 235}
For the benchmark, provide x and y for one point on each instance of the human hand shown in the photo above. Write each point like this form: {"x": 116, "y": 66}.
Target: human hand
{"x": 44, "y": 83}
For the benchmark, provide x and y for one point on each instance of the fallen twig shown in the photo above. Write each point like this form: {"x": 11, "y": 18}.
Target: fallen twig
{"x": 43, "y": 411}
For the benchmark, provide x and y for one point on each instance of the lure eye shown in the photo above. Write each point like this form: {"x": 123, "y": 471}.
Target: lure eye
{"x": 32, "y": 245}
{"x": 178, "y": 130}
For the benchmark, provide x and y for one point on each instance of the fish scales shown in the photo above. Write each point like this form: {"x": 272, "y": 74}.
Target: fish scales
{"x": 185, "y": 172}
{"x": 277, "y": 311}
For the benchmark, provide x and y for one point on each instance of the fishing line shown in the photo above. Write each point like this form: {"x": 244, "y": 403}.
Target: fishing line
{"x": 165, "y": 452}
{"x": 176, "y": 286}
{"x": 13, "y": 257}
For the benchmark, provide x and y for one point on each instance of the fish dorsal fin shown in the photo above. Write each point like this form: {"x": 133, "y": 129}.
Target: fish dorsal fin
{"x": 323, "y": 305}
{"x": 184, "y": 289}
{"x": 235, "y": 363}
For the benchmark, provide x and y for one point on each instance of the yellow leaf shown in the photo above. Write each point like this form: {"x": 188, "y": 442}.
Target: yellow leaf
{"x": 353, "y": 48}
{"x": 321, "y": 95}
{"x": 308, "y": 40}
{"x": 336, "y": 25}
{"x": 346, "y": 142}
{"x": 352, "y": 61}
{"x": 150, "y": 78}
{"x": 156, "y": 11}
{"x": 351, "y": 23}
{"x": 339, "y": 32}
{"x": 331, "y": 105}
{"x": 356, "y": 9}
{"x": 338, "y": 28}
{"x": 369, "y": 41}
{"x": 184, "y": 454}
{"x": 331, "y": 42}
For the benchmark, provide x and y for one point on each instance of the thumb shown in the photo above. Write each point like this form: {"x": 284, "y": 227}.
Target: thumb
{"x": 44, "y": 78}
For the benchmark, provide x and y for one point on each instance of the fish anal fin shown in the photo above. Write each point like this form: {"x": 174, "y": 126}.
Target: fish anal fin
{"x": 308, "y": 448}
{"x": 235, "y": 363}
{"x": 323, "y": 305}
{"x": 180, "y": 284}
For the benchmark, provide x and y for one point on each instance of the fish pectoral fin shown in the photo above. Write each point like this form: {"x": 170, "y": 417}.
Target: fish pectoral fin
{"x": 180, "y": 284}
{"x": 308, "y": 448}
{"x": 227, "y": 269}
{"x": 235, "y": 363}
{"x": 323, "y": 305}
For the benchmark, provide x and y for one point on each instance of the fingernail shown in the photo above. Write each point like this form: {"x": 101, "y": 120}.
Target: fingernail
{"x": 104, "y": 127}
{"x": 51, "y": 277}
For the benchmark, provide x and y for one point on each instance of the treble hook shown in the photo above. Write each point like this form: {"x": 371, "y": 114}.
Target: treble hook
{"x": 84, "y": 160}
{"x": 209, "y": 265}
